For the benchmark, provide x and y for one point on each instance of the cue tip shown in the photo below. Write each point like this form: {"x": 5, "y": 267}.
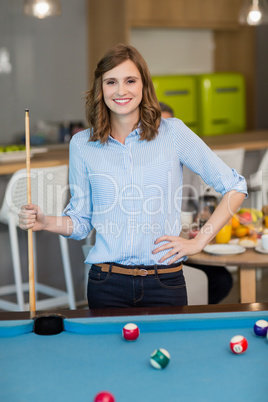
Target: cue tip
{"x": 26, "y": 110}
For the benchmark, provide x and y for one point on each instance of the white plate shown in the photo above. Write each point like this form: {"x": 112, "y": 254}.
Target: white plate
{"x": 224, "y": 249}
{"x": 38, "y": 150}
{"x": 13, "y": 156}
{"x": 261, "y": 250}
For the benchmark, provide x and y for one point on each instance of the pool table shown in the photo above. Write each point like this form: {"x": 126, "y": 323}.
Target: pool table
{"x": 90, "y": 355}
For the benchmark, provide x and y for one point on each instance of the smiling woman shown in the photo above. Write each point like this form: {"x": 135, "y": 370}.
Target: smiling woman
{"x": 126, "y": 183}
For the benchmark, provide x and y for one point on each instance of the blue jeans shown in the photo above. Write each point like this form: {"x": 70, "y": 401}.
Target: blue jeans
{"x": 108, "y": 289}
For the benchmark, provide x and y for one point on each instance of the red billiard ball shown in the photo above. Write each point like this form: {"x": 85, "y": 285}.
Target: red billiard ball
{"x": 131, "y": 332}
{"x": 104, "y": 396}
{"x": 238, "y": 344}
{"x": 261, "y": 327}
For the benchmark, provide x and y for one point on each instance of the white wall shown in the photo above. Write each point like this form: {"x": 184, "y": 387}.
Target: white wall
{"x": 175, "y": 51}
{"x": 49, "y": 66}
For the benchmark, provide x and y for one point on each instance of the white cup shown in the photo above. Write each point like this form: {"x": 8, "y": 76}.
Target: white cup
{"x": 264, "y": 241}
{"x": 186, "y": 219}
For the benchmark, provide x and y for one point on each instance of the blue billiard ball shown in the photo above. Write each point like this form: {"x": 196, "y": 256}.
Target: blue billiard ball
{"x": 260, "y": 328}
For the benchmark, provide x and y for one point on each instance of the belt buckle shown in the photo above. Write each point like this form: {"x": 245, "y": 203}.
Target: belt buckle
{"x": 144, "y": 272}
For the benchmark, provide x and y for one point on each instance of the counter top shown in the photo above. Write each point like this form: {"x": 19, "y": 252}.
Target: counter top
{"x": 249, "y": 140}
{"x": 59, "y": 154}
{"x": 54, "y": 156}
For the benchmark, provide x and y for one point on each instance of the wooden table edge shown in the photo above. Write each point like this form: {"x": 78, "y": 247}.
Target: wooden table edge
{"x": 143, "y": 311}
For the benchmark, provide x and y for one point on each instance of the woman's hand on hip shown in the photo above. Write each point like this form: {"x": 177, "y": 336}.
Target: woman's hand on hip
{"x": 178, "y": 247}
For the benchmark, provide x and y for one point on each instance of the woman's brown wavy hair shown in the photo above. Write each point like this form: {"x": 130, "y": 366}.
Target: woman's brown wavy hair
{"x": 97, "y": 113}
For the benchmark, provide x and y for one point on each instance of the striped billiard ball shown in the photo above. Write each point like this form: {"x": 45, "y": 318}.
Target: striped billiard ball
{"x": 160, "y": 358}
{"x": 238, "y": 344}
{"x": 260, "y": 328}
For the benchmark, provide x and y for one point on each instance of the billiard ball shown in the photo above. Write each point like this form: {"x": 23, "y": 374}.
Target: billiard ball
{"x": 238, "y": 344}
{"x": 104, "y": 396}
{"x": 260, "y": 328}
{"x": 131, "y": 332}
{"x": 160, "y": 358}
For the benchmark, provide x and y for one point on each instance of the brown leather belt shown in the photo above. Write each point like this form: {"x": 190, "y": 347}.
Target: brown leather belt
{"x": 137, "y": 271}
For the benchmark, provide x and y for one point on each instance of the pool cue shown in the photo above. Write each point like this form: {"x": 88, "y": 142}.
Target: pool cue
{"x": 32, "y": 303}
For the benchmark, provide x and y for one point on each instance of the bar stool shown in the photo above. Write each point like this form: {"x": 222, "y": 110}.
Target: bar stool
{"x": 197, "y": 285}
{"x": 49, "y": 188}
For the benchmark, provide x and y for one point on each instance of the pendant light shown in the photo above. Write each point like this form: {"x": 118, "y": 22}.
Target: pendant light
{"x": 254, "y": 12}
{"x": 42, "y": 8}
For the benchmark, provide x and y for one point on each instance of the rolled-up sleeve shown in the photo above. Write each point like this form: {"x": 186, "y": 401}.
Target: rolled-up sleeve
{"x": 79, "y": 208}
{"x": 198, "y": 157}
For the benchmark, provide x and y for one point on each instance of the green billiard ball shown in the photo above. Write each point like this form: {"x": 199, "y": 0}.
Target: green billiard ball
{"x": 160, "y": 358}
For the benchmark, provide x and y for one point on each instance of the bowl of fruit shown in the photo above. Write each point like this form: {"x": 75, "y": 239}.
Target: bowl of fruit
{"x": 247, "y": 226}
{"x": 11, "y": 153}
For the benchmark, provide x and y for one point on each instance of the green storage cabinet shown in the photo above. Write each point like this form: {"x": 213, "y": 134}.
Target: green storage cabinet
{"x": 179, "y": 92}
{"x": 221, "y": 103}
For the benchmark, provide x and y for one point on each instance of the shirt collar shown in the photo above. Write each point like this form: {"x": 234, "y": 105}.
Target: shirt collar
{"x": 133, "y": 134}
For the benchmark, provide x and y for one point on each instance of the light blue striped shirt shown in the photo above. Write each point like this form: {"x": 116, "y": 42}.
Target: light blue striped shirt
{"x": 131, "y": 193}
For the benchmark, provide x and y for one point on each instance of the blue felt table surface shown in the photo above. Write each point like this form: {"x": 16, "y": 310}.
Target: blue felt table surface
{"x": 74, "y": 367}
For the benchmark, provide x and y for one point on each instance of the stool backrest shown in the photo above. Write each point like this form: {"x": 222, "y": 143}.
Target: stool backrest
{"x": 49, "y": 190}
